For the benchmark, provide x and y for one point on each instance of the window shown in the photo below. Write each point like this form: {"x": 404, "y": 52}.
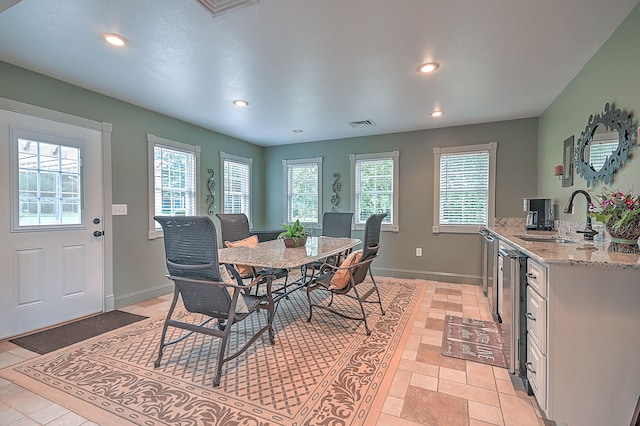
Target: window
{"x": 236, "y": 181}
{"x": 303, "y": 190}
{"x": 375, "y": 188}
{"x": 49, "y": 179}
{"x": 173, "y": 173}
{"x": 464, "y": 194}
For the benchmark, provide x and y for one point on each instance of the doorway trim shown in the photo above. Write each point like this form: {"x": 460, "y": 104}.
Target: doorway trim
{"x": 105, "y": 129}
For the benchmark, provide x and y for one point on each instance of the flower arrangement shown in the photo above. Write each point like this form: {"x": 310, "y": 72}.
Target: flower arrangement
{"x": 616, "y": 209}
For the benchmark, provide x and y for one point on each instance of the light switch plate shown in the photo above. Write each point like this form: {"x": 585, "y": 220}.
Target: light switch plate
{"x": 119, "y": 209}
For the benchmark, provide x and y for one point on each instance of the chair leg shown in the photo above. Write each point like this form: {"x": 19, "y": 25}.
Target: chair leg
{"x": 223, "y": 347}
{"x": 156, "y": 364}
{"x": 377, "y": 292}
{"x": 364, "y": 315}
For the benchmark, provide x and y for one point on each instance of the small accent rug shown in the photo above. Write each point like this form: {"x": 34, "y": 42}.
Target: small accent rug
{"x": 327, "y": 371}
{"x": 474, "y": 340}
{"x": 43, "y": 342}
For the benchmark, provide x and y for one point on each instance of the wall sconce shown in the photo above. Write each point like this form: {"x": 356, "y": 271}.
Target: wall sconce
{"x": 558, "y": 170}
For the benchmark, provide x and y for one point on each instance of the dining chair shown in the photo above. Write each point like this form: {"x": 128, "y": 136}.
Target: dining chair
{"x": 234, "y": 227}
{"x": 337, "y": 225}
{"x": 345, "y": 279}
{"x": 206, "y": 288}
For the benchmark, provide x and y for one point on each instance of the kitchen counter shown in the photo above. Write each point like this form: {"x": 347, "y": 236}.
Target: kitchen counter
{"x": 579, "y": 252}
{"x": 583, "y": 301}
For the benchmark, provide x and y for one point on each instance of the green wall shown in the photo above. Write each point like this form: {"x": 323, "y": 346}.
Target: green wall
{"x": 452, "y": 257}
{"x": 610, "y": 76}
{"x": 138, "y": 263}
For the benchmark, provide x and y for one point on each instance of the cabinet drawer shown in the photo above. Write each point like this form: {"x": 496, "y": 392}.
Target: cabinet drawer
{"x": 537, "y": 277}
{"x": 537, "y": 373}
{"x": 537, "y": 319}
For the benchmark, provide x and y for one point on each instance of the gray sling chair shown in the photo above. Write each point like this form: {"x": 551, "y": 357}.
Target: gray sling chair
{"x": 334, "y": 224}
{"x": 357, "y": 273}
{"x": 192, "y": 260}
{"x": 235, "y": 227}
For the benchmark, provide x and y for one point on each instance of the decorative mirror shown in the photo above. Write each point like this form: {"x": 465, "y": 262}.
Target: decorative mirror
{"x": 605, "y": 145}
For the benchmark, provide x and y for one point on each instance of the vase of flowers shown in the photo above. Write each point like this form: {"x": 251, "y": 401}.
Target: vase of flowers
{"x": 620, "y": 214}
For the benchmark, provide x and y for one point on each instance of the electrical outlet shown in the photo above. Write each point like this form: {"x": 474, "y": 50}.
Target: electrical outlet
{"x": 119, "y": 209}
{"x": 418, "y": 251}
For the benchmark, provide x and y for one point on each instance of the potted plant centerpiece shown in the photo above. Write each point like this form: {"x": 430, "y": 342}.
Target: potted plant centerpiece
{"x": 294, "y": 235}
{"x": 620, "y": 214}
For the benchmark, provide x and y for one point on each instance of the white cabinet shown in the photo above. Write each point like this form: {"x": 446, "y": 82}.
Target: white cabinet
{"x": 537, "y": 372}
{"x": 537, "y": 330}
{"x": 537, "y": 277}
{"x": 537, "y": 319}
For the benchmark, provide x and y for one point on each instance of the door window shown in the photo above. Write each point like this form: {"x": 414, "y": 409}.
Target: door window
{"x": 49, "y": 184}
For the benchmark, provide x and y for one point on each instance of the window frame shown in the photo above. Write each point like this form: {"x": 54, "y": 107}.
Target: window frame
{"x": 317, "y": 161}
{"x": 240, "y": 160}
{"x": 395, "y": 157}
{"x": 490, "y": 148}
{"x": 152, "y": 141}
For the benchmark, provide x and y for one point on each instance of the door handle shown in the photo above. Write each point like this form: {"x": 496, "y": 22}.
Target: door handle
{"x": 530, "y": 316}
{"x": 530, "y": 367}
{"x": 98, "y": 233}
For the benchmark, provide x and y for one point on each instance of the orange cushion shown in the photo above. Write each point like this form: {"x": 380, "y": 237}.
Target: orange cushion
{"x": 251, "y": 241}
{"x": 342, "y": 276}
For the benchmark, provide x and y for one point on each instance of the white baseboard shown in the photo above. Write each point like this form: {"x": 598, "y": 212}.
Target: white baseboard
{"x": 428, "y": 275}
{"x": 141, "y": 296}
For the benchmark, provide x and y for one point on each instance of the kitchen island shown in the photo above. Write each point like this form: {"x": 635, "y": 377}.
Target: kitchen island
{"x": 584, "y": 360}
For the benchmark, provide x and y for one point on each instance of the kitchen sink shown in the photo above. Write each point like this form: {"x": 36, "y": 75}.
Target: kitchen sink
{"x": 541, "y": 239}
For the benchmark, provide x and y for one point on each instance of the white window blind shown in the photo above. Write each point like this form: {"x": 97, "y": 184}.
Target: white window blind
{"x": 599, "y": 152}
{"x": 375, "y": 188}
{"x": 173, "y": 183}
{"x": 237, "y": 184}
{"x": 303, "y": 190}
{"x": 465, "y": 187}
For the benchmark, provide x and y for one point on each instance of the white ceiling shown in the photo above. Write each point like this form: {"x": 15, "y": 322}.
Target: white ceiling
{"x": 315, "y": 65}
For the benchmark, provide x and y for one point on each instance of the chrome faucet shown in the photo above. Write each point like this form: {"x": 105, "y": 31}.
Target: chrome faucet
{"x": 588, "y": 232}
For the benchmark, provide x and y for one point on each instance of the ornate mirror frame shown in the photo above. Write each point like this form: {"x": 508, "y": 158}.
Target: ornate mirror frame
{"x": 613, "y": 119}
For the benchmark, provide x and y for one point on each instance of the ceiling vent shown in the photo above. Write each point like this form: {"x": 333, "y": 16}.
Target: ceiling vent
{"x": 363, "y": 123}
{"x": 219, "y": 7}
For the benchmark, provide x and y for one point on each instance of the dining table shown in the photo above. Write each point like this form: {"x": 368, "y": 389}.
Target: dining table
{"x": 274, "y": 254}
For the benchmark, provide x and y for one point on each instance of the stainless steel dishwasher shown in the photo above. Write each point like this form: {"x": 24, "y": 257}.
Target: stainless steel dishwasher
{"x": 490, "y": 270}
{"x": 512, "y": 267}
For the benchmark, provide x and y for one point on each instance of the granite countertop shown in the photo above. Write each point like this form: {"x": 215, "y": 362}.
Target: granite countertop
{"x": 578, "y": 252}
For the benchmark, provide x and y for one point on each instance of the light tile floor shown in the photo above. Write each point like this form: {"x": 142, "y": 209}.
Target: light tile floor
{"x": 427, "y": 389}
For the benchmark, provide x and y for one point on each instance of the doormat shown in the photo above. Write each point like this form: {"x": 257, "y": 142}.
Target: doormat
{"x": 55, "y": 338}
{"x": 473, "y": 340}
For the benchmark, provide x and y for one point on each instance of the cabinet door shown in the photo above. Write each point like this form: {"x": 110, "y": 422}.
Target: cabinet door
{"x": 537, "y": 372}
{"x": 537, "y": 319}
{"x": 537, "y": 277}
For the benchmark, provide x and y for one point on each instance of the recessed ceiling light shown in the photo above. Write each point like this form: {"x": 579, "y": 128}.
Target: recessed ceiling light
{"x": 428, "y": 67}
{"x": 437, "y": 114}
{"x": 115, "y": 40}
{"x": 240, "y": 103}
{"x": 297, "y": 130}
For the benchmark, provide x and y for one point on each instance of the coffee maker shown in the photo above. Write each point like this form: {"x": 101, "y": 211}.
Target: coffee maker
{"x": 539, "y": 214}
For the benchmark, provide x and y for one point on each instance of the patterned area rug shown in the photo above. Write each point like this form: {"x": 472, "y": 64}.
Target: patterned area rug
{"x": 324, "y": 372}
{"x": 474, "y": 340}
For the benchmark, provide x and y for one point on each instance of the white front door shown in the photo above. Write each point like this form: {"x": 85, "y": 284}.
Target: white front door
{"x": 51, "y": 254}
